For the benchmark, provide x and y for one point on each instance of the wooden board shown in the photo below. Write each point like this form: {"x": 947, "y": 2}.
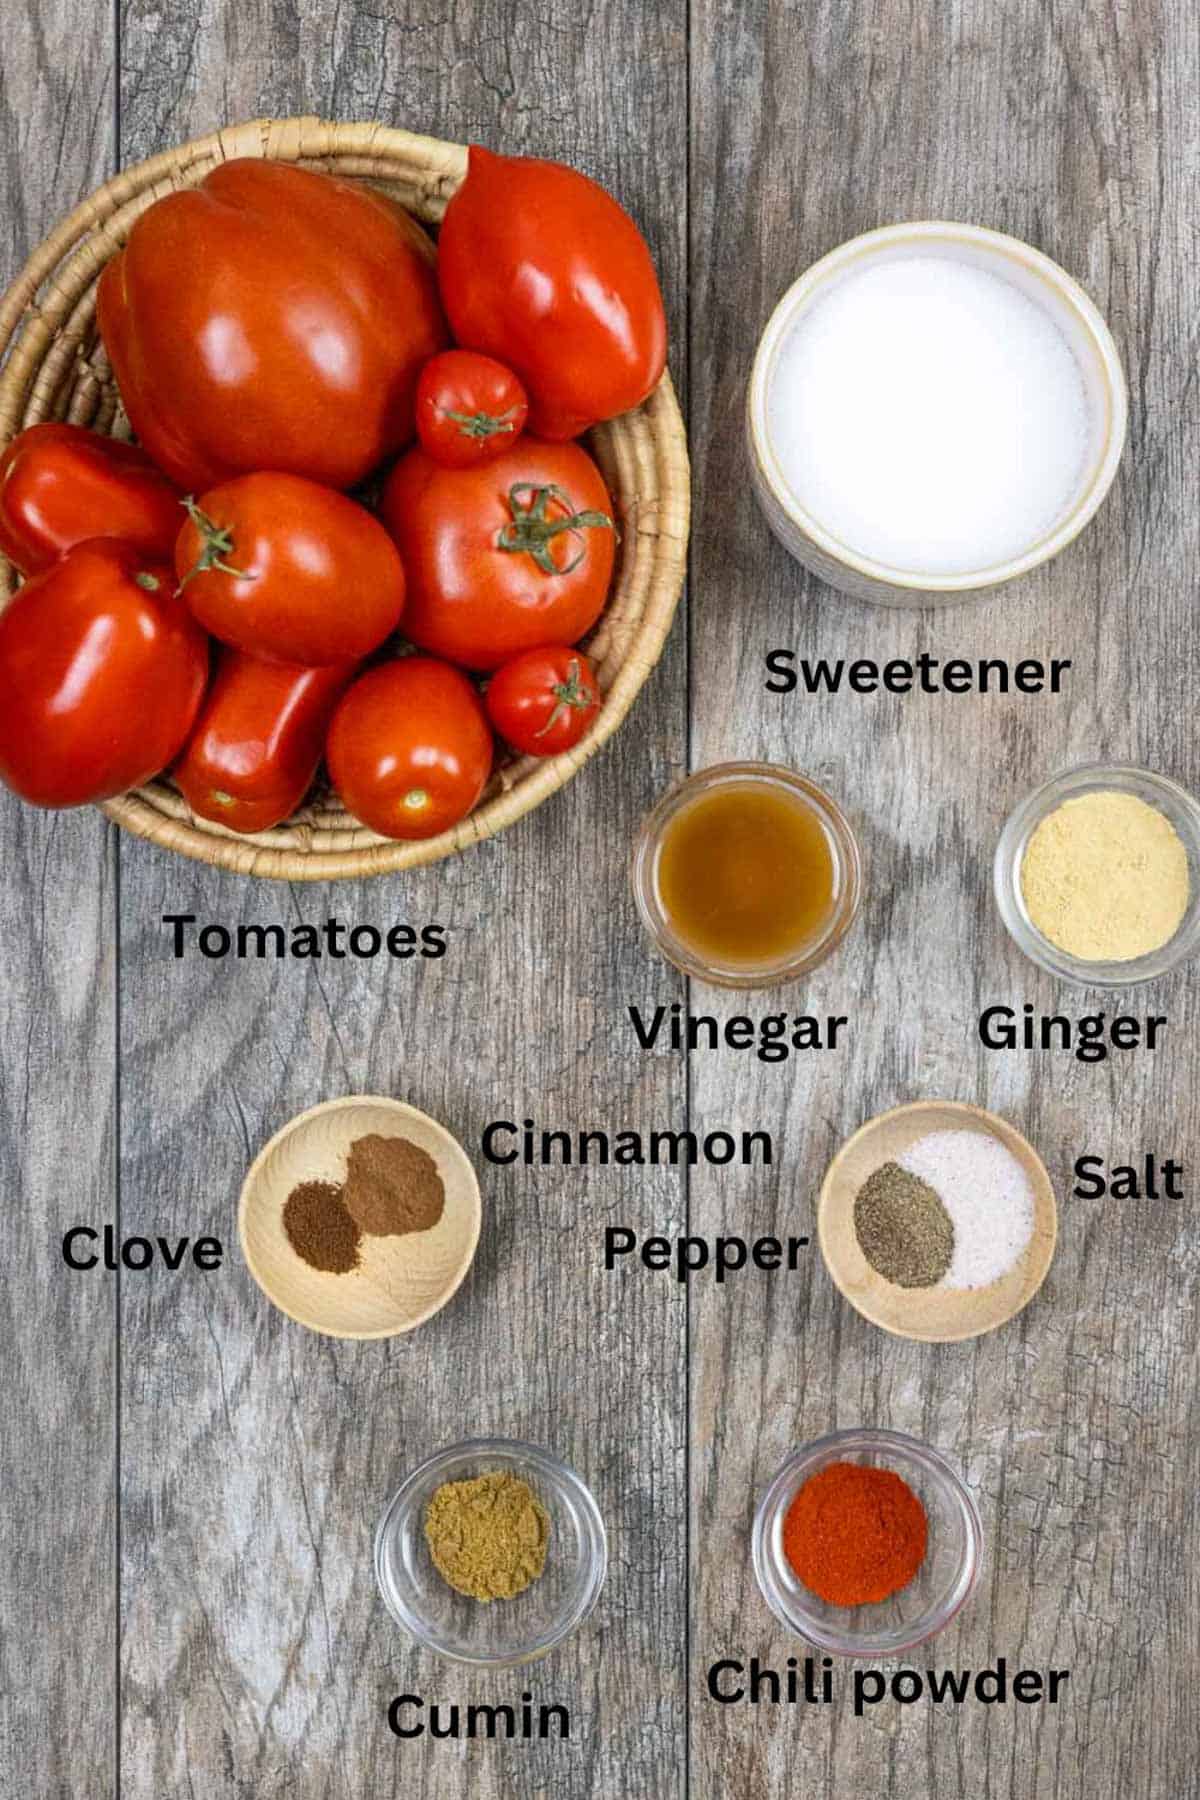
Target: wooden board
{"x": 254, "y": 1459}
{"x": 1075, "y": 1426}
{"x": 58, "y": 1124}
{"x": 257, "y": 1458}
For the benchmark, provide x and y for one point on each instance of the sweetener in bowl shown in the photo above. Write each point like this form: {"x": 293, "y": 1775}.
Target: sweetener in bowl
{"x": 929, "y": 414}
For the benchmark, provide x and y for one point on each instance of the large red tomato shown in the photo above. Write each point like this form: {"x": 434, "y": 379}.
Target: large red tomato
{"x": 282, "y": 567}
{"x": 60, "y": 485}
{"x": 504, "y": 557}
{"x": 255, "y": 748}
{"x": 410, "y": 749}
{"x": 540, "y": 267}
{"x": 271, "y": 318}
{"x": 102, "y": 672}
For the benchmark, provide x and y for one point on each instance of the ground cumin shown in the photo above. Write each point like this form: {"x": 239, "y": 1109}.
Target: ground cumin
{"x": 855, "y": 1534}
{"x": 320, "y": 1229}
{"x": 487, "y": 1537}
{"x": 392, "y": 1186}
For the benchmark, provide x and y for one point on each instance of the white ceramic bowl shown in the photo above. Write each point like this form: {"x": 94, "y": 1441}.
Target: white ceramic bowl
{"x": 1036, "y": 276}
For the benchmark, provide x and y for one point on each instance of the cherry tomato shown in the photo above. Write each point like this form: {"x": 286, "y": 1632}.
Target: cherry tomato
{"x": 271, "y": 318}
{"x": 60, "y": 485}
{"x": 102, "y": 670}
{"x": 544, "y": 700}
{"x": 540, "y": 266}
{"x": 469, "y": 408}
{"x": 409, "y": 749}
{"x": 255, "y": 748}
{"x": 500, "y": 559}
{"x": 281, "y": 567}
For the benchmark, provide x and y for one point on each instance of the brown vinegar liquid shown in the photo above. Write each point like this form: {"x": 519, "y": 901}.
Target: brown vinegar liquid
{"x": 745, "y": 875}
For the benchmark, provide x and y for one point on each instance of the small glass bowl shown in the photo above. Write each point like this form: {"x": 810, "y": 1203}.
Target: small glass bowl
{"x": 1158, "y": 791}
{"x": 843, "y": 849}
{"x": 496, "y": 1633}
{"x": 942, "y": 1585}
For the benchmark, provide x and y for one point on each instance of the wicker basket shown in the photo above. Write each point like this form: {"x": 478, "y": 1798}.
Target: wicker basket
{"x": 55, "y": 368}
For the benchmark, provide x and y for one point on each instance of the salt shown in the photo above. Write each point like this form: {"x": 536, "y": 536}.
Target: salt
{"x": 988, "y": 1196}
{"x": 930, "y": 415}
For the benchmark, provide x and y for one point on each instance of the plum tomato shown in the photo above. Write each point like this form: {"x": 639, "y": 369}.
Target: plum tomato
{"x": 410, "y": 749}
{"x": 544, "y": 700}
{"x": 102, "y": 669}
{"x": 539, "y": 266}
{"x": 469, "y": 408}
{"x": 505, "y": 557}
{"x": 271, "y": 317}
{"x": 260, "y": 735}
{"x": 60, "y": 485}
{"x": 281, "y": 567}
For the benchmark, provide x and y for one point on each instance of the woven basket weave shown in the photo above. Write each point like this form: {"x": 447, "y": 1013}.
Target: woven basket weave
{"x": 55, "y": 368}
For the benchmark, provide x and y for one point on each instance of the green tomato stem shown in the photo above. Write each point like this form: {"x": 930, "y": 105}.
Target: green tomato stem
{"x": 530, "y": 529}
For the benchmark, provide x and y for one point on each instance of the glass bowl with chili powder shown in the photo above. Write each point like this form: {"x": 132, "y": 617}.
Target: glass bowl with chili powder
{"x": 867, "y": 1543}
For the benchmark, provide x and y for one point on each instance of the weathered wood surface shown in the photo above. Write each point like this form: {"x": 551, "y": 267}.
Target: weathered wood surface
{"x": 254, "y": 1657}
{"x": 1072, "y": 126}
{"x": 58, "y": 920}
{"x": 256, "y": 1458}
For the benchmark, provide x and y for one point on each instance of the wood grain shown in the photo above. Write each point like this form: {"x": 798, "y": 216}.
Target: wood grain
{"x": 257, "y": 1458}
{"x": 1075, "y": 1426}
{"x": 57, "y": 1145}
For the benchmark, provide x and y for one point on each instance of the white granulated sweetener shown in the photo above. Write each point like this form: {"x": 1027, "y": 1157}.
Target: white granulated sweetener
{"x": 929, "y": 415}
{"x": 987, "y": 1194}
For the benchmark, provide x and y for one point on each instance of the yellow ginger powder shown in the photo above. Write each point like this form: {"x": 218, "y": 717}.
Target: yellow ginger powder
{"x": 1105, "y": 877}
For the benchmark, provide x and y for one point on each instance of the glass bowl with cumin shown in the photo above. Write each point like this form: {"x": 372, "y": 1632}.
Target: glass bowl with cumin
{"x": 491, "y": 1553}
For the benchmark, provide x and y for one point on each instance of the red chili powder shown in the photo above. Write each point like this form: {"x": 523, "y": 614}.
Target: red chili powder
{"x": 855, "y": 1534}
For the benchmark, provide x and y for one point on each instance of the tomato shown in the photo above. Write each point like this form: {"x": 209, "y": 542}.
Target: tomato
{"x": 539, "y": 266}
{"x": 271, "y": 318}
{"x": 255, "y": 748}
{"x": 499, "y": 559}
{"x": 544, "y": 700}
{"x": 102, "y": 672}
{"x": 60, "y": 485}
{"x": 281, "y": 567}
{"x": 409, "y": 749}
{"x": 469, "y": 408}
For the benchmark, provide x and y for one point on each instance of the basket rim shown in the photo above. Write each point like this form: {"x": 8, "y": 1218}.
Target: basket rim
{"x": 44, "y": 316}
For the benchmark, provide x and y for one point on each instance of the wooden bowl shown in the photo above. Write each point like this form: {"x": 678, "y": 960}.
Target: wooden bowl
{"x": 400, "y": 1281}
{"x": 54, "y": 367}
{"x": 932, "y": 1315}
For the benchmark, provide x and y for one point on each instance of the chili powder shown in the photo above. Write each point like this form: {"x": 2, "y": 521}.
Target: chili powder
{"x": 854, "y": 1534}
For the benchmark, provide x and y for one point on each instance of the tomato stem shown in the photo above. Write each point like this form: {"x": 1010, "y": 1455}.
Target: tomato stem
{"x": 531, "y": 530}
{"x": 569, "y": 694}
{"x": 481, "y": 424}
{"x": 216, "y": 545}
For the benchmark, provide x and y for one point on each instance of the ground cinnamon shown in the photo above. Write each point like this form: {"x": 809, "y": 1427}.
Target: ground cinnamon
{"x": 392, "y": 1186}
{"x": 320, "y": 1229}
{"x": 855, "y": 1534}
